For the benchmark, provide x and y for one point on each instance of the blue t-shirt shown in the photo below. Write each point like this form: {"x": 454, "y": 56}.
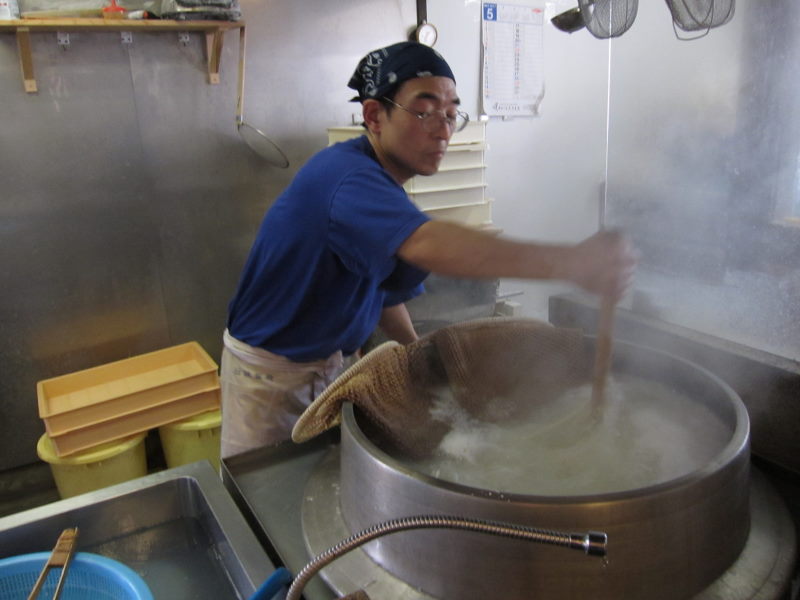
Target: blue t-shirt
{"x": 323, "y": 264}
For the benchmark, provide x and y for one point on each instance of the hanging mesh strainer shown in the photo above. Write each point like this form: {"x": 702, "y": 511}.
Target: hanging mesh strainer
{"x": 699, "y": 15}
{"x": 608, "y": 18}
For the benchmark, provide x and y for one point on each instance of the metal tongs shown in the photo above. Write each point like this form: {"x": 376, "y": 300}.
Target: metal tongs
{"x": 60, "y": 557}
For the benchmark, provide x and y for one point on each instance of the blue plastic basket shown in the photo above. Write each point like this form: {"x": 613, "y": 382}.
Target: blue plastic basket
{"x": 90, "y": 576}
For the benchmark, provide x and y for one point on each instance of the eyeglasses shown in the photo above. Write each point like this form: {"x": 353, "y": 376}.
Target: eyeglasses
{"x": 433, "y": 120}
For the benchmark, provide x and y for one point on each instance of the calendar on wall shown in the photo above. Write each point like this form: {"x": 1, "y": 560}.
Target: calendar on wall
{"x": 512, "y": 75}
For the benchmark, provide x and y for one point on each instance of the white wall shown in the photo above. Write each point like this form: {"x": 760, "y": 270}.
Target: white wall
{"x": 697, "y": 140}
{"x": 545, "y": 173}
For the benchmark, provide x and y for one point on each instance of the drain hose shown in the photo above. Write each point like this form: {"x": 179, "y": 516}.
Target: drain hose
{"x": 592, "y": 543}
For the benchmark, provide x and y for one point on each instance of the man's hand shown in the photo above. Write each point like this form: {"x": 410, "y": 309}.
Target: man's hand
{"x": 396, "y": 324}
{"x": 603, "y": 264}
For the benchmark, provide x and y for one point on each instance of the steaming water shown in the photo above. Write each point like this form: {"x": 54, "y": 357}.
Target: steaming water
{"x": 647, "y": 434}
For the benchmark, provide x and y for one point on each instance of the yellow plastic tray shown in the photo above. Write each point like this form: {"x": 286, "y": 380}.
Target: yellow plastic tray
{"x": 124, "y": 387}
{"x": 128, "y": 424}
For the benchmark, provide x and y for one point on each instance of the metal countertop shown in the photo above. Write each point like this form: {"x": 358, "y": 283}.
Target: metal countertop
{"x": 178, "y": 529}
{"x": 268, "y": 484}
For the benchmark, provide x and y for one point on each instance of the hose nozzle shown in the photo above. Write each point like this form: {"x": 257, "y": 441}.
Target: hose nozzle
{"x": 593, "y": 543}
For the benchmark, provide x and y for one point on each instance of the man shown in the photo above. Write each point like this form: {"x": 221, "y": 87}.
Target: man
{"x": 343, "y": 248}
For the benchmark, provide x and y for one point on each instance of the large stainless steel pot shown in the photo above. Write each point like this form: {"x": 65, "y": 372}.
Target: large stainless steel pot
{"x": 668, "y": 541}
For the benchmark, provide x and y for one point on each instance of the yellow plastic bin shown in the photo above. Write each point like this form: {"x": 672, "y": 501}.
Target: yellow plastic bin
{"x": 97, "y": 467}
{"x": 192, "y": 439}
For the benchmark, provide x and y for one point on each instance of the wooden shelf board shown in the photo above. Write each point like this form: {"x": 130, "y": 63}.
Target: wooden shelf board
{"x": 213, "y": 29}
{"x": 89, "y": 24}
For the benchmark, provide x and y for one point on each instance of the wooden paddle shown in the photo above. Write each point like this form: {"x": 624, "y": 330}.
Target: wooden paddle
{"x": 602, "y": 357}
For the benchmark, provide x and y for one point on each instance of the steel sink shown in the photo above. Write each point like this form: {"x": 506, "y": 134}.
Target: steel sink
{"x": 179, "y": 529}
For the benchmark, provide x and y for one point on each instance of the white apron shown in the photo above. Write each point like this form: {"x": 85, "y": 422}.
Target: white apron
{"x": 263, "y": 394}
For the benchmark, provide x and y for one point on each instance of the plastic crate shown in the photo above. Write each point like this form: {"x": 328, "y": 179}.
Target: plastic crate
{"x": 446, "y": 179}
{"x": 448, "y": 197}
{"x": 463, "y": 157}
{"x": 473, "y": 133}
{"x": 172, "y": 410}
{"x": 475, "y": 215}
{"x": 341, "y": 134}
{"x": 457, "y": 191}
{"x": 118, "y": 399}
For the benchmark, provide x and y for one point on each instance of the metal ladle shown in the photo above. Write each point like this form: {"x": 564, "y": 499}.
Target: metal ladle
{"x": 603, "y": 355}
{"x": 604, "y": 340}
{"x": 252, "y": 136}
{"x": 569, "y": 21}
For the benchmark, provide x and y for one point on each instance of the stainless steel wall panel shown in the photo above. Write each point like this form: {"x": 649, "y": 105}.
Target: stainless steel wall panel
{"x": 129, "y": 202}
{"x": 81, "y": 266}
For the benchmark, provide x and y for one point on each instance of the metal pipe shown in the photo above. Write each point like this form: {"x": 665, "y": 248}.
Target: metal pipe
{"x": 592, "y": 543}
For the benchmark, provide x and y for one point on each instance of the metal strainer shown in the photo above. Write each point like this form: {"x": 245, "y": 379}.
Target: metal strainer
{"x": 699, "y": 15}
{"x": 252, "y": 136}
{"x": 608, "y": 18}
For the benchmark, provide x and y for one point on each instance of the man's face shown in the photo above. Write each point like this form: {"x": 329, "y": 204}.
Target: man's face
{"x": 403, "y": 145}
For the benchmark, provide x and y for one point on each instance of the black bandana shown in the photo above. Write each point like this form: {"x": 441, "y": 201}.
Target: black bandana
{"x": 382, "y": 70}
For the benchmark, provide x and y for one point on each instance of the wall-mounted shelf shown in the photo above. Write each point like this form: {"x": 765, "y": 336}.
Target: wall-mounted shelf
{"x": 214, "y": 31}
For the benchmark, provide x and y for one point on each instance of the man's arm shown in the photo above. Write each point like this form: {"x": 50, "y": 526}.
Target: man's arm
{"x": 602, "y": 264}
{"x": 396, "y": 324}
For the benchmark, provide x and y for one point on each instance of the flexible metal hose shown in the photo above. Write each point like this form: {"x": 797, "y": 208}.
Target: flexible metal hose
{"x": 592, "y": 543}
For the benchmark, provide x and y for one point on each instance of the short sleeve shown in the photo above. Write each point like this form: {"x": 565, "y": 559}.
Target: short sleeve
{"x": 370, "y": 217}
{"x": 393, "y": 298}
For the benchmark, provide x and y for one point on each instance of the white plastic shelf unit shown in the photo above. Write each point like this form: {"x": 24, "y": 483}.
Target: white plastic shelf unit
{"x": 457, "y": 192}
